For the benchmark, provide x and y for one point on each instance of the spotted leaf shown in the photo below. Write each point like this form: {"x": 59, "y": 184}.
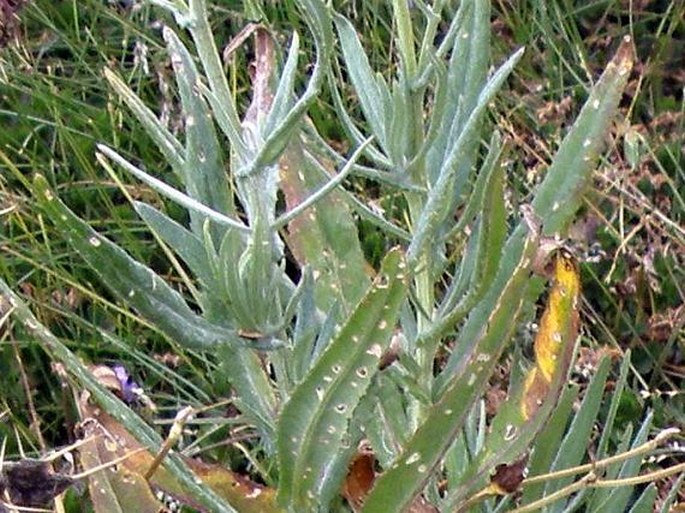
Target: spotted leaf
{"x": 313, "y": 430}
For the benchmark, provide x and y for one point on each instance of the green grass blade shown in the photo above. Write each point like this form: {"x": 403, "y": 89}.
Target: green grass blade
{"x": 673, "y": 495}
{"x": 608, "y": 500}
{"x": 645, "y": 502}
{"x": 574, "y": 445}
{"x": 616, "y": 398}
{"x": 547, "y": 442}
{"x": 314, "y": 423}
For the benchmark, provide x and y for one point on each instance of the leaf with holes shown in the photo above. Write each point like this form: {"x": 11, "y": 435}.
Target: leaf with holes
{"x": 313, "y": 428}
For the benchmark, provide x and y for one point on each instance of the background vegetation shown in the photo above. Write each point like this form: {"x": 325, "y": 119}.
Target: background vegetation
{"x": 55, "y": 106}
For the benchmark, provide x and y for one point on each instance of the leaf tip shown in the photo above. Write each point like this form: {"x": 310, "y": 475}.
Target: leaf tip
{"x": 625, "y": 55}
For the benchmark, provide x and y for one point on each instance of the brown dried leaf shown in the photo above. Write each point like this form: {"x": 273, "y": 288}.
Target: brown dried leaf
{"x": 117, "y": 488}
{"x": 360, "y": 479}
{"x": 508, "y": 477}
{"x": 243, "y": 494}
{"x": 32, "y": 483}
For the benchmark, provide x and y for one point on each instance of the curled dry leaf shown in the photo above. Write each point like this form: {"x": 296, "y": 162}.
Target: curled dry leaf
{"x": 508, "y": 477}
{"x": 361, "y": 475}
{"x": 32, "y": 483}
{"x": 114, "y": 440}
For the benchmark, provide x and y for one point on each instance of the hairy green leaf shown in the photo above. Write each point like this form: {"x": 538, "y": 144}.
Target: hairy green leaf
{"x": 423, "y": 452}
{"x": 184, "y": 242}
{"x": 204, "y": 175}
{"x": 133, "y": 282}
{"x": 370, "y": 89}
{"x": 313, "y": 426}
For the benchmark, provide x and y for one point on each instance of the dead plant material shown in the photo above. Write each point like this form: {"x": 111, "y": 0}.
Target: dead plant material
{"x": 8, "y": 19}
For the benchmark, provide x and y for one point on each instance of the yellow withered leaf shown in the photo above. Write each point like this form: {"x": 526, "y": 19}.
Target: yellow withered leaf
{"x": 557, "y": 333}
{"x": 559, "y": 323}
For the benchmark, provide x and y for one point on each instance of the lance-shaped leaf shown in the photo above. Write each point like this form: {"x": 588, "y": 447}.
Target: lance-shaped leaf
{"x": 528, "y": 407}
{"x": 482, "y": 255}
{"x": 646, "y": 502}
{"x": 186, "y": 244}
{"x": 426, "y": 448}
{"x": 557, "y": 335}
{"x": 371, "y": 89}
{"x": 324, "y": 237}
{"x": 313, "y": 428}
{"x": 437, "y": 207}
{"x": 204, "y": 175}
{"x": 132, "y": 281}
{"x": 463, "y": 79}
{"x": 560, "y": 193}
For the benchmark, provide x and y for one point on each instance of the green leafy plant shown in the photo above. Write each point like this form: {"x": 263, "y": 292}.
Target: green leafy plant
{"x": 337, "y": 352}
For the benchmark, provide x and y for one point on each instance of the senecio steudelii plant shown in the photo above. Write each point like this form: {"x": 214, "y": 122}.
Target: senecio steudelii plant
{"x": 303, "y": 350}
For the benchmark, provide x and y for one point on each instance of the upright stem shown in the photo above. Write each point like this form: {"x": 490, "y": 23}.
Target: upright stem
{"x": 423, "y": 283}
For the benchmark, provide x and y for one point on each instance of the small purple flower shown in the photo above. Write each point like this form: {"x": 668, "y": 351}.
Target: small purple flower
{"x": 130, "y": 390}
